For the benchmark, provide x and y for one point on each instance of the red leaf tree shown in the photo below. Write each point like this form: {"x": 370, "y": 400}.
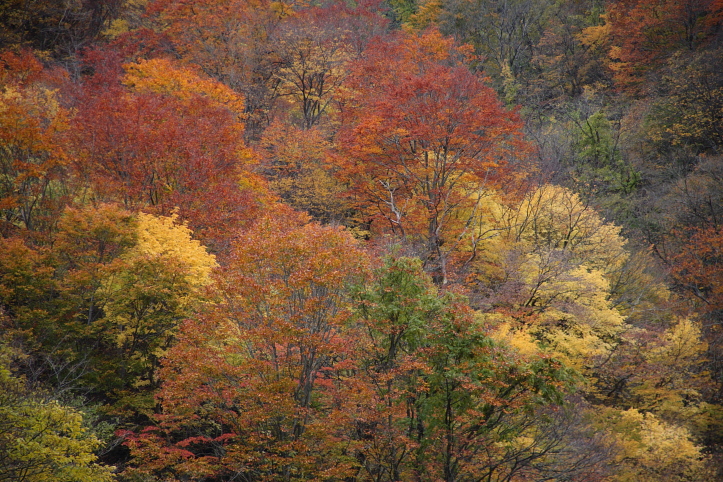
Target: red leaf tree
{"x": 698, "y": 270}
{"x": 167, "y": 139}
{"x": 422, "y": 139}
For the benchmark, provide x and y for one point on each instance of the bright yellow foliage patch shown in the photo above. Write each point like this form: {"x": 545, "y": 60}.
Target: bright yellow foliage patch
{"x": 160, "y": 236}
{"x": 577, "y": 320}
{"x": 41, "y": 440}
{"x": 654, "y": 450}
{"x": 160, "y": 281}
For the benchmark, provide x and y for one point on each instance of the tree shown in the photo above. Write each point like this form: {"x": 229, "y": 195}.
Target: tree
{"x": 314, "y": 47}
{"x": 546, "y": 283}
{"x": 297, "y": 169}
{"x": 33, "y": 158}
{"x": 52, "y": 26}
{"x": 552, "y": 226}
{"x": 652, "y": 449}
{"x": 282, "y": 383}
{"x": 481, "y": 398}
{"x": 445, "y": 401}
{"x": 570, "y": 57}
{"x": 644, "y": 34}
{"x": 26, "y": 283}
{"x": 556, "y": 218}
{"x": 698, "y": 267}
{"x": 40, "y": 439}
{"x": 549, "y": 261}
{"x": 696, "y": 270}
{"x": 229, "y": 40}
{"x": 503, "y": 32}
{"x": 51, "y": 296}
{"x": 312, "y": 57}
{"x": 167, "y": 139}
{"x": 422, "y": 138}
{"x": 160, "y": 281}
{"x": 250, "y": 389}
{"x": 688, "y": 115}
{"x": 271, "y": 50}
{"x": 395, "y": 313}
{"x": 97, "y": 311}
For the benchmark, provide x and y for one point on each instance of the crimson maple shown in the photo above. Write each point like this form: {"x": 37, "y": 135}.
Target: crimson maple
{"x": 422, "y": 139}
{"x": 165, "y": 144}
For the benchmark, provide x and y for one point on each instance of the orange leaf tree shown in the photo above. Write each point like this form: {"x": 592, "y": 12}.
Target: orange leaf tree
{"x": 645, "y": 33}
{"x": 281, "y": 382}
{"x": 230, "y": 41}
{"x": 250, "y": 388}
{"x": 422, "y": 138}
{"x": 32, "y": 155}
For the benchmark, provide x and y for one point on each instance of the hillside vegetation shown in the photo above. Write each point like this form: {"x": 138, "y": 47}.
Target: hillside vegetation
{"x": 399, "y": 240}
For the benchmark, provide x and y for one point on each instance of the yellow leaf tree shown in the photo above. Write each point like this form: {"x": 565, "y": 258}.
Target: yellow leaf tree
{"x": 159, "y": 282}
{"x": 40, "y": 439}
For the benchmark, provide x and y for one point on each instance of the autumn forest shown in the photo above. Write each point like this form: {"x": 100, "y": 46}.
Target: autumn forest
{"x": 373, "y": 240}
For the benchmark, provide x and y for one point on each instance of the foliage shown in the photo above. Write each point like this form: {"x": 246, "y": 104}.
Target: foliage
{"x": 256, "y": 379}
{"x": 699, "y": 266}
{"x": 229, "y": 40}
{"x": 550, "y": 265}
{"x": 655, "y": 450}
{"x": 502, "y": 32}
{"x": 421, "y": 141}
{"x": 313, "y": 53}
{"x": 644, "y": 34}
{"x": 689, "y": 114}
{"x": 103, "y": 304}
{"x": 579, "y": 249}
{"x": 40, "y": 439}
{"x": 159, "y": 282}
{"x": 32, "y": 153}
{"x": 166, "y": 139}
{"x": 569, "y": 57}
{"x": 163, "y": 77}
{"x": 448, "y": 401}
{"x": 54, "y": 27}
{"x": 298, "y": 172}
